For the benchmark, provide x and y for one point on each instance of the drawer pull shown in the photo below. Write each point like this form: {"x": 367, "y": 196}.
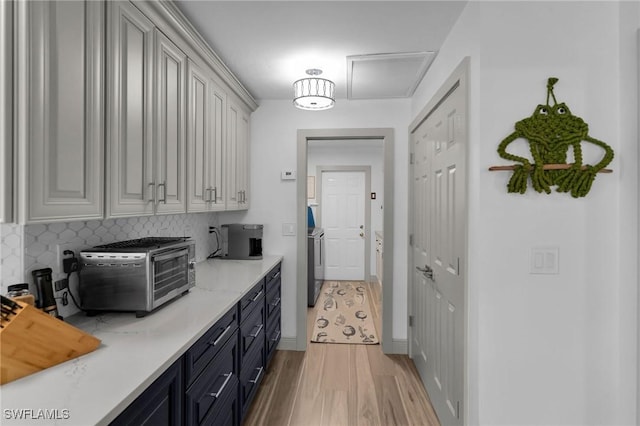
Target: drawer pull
{"x": 257, "y": 296}
{"x": 215, "y": 342}
{"x": 254, "y": 335}
{"x": 217, "y": 394}
{"x": 275, "y": 339}
{"x": 260, "y": 370}
{"x": 276, "y": 302}
{"x": 275, "y": 276}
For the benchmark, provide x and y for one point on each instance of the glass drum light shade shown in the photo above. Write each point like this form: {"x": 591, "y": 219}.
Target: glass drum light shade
{"x": 314, "y": 93}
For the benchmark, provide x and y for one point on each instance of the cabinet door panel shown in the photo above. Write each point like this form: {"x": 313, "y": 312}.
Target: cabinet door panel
{"x": 62, "y": 130}
{"x": 218, "y": 131}
{"x": 130, "y": 43}
{"x": 233, "y": 191}
{"x": 236, "y": 155}
{"x": 170, "y": 126}
{"x": 198, "y": 134}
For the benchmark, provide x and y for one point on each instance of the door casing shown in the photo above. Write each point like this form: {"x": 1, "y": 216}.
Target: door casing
{"x": 303, "y": 137}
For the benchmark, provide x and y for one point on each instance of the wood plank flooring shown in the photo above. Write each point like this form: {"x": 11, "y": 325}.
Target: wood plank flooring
{"x": 341, "y": 385}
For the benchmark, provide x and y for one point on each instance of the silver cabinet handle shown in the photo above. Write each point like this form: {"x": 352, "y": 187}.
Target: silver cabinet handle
{"x": 254, "y": 335}
{"x": 276, "y": 276}
{"x": 260, "y": 370}
{"x": 215, "y": 342}
{"x": 164, "y": 192}
{"x": 239, "y": 196}
{"x": 152, "y": 190}
{"x": 215, "y": 195}
{"x": 276, "y": 302}
{"x": 217, "y": 394}
{"x": 275, "y": 339}
{"x": 257, "y": 296}
{"x": 207, "y": 191}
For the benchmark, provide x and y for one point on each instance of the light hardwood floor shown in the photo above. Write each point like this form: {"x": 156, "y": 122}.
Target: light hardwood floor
{"x": 338, "y": 384}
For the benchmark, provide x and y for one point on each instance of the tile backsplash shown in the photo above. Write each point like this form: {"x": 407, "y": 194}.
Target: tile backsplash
{"x": 29, "y": 247}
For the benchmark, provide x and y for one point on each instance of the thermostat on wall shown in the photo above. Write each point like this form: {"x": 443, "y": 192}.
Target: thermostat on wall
{"x": 288, "y": 175}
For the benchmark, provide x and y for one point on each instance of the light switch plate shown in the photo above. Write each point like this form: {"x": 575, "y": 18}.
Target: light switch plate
{"x": 545, "y": 260}
{"x": 289, "y": 229}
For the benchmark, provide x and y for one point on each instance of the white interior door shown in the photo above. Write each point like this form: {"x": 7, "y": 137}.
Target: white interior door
{"x": 439, "y": 247}
{"x": 343, "y": 220}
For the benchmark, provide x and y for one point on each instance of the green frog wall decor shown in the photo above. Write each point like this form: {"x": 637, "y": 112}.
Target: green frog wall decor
{"x": 550, "y": 131}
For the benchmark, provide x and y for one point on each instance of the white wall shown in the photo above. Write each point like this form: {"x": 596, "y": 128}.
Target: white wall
{"x": 353, "y": 153}
{"x": 274, "y": 129}
{"x": 549, "y": 349}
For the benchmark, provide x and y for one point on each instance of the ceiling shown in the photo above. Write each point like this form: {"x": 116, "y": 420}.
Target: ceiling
{"x": 269, "y": 44}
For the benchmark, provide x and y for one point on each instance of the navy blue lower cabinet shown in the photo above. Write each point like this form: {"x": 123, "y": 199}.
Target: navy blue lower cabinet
{"x": 160, "y": 404}
{"x": 251, "y": 375}
{"x": 213, "y": 392}
{"x": 273, "y": 312}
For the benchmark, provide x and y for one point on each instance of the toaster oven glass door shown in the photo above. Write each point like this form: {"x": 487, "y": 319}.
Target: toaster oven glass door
{"x": 170, "y": 272}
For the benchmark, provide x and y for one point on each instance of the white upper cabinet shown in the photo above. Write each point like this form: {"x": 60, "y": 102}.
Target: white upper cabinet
{"x": 131, "y": 189}
{"x": 59, "y": 106}
{"x": 237, "y": 157}
{"x": 205, "y": 134}
{"x": 170, "y": 126}
{"x": 6, "y": 111}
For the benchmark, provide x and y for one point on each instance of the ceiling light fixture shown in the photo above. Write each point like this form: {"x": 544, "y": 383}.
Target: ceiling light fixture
{"x": 314, "y": 93}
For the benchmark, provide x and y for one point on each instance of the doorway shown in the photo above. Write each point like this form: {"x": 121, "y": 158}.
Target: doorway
{"x": 304, "y": 137}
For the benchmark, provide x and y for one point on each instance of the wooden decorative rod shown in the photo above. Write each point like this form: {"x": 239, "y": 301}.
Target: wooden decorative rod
{"x": 545, "y": 167}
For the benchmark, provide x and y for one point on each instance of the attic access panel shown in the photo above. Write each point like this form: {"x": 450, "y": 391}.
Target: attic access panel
{"x": 388, "y": 75}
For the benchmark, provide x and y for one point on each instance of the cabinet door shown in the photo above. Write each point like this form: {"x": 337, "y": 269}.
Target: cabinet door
{"x": 237, "y": 157}
{"x": 160, "y": 404}
{"x": 205, "y": 136}
{"x": 218, "y": 123}
{"x": 6, "y": 111}
{"x": 198, "y": 136}
{"x": 169, "y": 135}
{"x": 131, "y": 189}
{"x": 60, "y": 110}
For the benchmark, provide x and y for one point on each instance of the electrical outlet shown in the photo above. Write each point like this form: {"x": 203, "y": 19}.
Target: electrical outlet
{"x": 61, "y": 255}
{"x": 61, "y": 284}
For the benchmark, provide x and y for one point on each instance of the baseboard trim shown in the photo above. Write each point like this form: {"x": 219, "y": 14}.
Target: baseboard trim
{"x": 287, "y": 344}
{"x": 399, "y": 346}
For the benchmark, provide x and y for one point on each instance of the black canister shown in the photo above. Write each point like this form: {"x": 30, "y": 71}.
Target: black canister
{"x": 44, "y": 286}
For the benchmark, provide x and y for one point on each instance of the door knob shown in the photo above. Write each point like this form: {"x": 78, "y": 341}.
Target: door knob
{"x": 362, "y": 234}
{"x": 361, "y": 226}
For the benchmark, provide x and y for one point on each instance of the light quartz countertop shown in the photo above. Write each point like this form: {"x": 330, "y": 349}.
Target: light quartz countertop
{"x": 94, "y": 388}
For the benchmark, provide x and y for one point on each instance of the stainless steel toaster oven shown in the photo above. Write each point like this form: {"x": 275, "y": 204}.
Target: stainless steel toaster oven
{"x": 136, "y": 275}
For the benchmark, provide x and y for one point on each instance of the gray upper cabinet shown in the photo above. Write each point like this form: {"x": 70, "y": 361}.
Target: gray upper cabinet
{"x": 170, "y": 126}
{"x": 102, "y": 116}
{"x": 206, "y": 130}
{"x": 6, "y": 111}
{"x": 131, "y": 189}
{"x": 237, "y": 157}
{"x": 59, "y": 105}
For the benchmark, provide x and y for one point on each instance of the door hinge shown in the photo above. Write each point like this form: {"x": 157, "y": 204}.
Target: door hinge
{"x": 458, "y": 410}
{"x": 411, "y": 240}
{"x": 410, "y": 320}
{"x": 411, "y": 158}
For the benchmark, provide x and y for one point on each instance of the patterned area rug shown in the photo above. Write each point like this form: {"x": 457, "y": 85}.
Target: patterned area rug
{"x": 344, "y": 315}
